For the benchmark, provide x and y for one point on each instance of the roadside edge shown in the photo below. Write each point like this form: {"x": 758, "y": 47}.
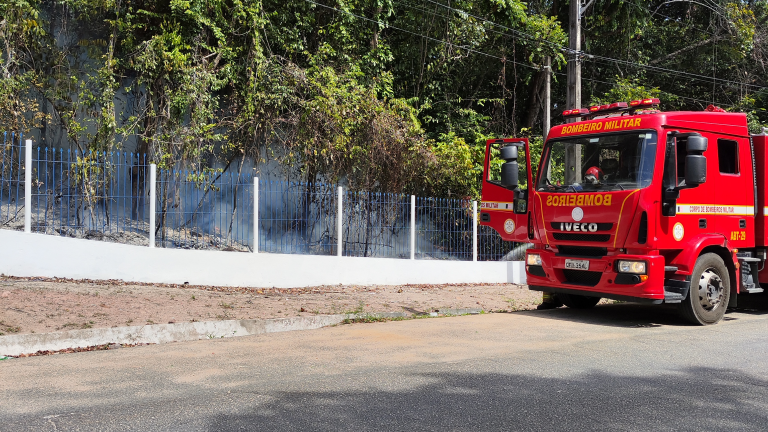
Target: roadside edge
{"x": 15, "y": 345}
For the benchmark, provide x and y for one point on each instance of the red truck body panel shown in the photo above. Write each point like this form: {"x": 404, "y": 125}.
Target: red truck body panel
{"x": 761, "y": 181}
{"x": 498, "y": 201}
{"x": 761, "y": 161}
{"x": 726, "y": 214}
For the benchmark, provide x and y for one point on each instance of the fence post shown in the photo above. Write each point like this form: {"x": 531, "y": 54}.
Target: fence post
{"x": 255, "y": 215}
{"x": 339, "y": 218}
{"x": 474, "y": 230}
{"x": 413, "y": 226}
{"x": 152, "y": 203}
{"x": 28, "y": 187}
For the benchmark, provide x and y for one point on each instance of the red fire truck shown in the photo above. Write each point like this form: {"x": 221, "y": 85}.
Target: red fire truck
{"x": 636, "y": 204}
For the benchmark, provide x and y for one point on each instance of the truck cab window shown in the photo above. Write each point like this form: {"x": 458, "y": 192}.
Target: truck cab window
{"x": 682, "y": 152}
{"x": 728, "y": 156}
{"x": 618, "y": 161}
{"x": 495, "y": 162}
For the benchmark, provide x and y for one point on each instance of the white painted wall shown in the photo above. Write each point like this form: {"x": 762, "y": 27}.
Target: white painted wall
{"x": 23, "y": 254}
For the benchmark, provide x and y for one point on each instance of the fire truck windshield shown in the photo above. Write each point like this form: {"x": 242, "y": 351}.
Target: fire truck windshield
{"x": 619, "y": 161}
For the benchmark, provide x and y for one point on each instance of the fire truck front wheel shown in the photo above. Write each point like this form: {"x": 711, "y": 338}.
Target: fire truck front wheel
{"x": 575, "y": 301}
{"x": 710, "y": 291}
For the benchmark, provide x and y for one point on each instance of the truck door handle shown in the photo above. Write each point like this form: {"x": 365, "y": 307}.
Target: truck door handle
{"x": 742, "y": 223}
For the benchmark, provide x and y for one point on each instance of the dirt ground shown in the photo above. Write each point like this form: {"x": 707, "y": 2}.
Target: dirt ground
{"x": 41, "y": 305}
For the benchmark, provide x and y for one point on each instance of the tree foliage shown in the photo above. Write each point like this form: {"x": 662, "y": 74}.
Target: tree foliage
{"x": 383, "y": 95}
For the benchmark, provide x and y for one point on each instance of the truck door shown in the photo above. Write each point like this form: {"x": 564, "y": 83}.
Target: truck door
{"x": 723, "y": 205}
{"x": 506, "y": 207}
{"x": 735, "y": 194}
{"x": 685, "y": 209}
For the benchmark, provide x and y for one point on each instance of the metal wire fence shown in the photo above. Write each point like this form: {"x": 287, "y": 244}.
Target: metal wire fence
{"x": 297, "y": 218}
{"x": 445, "y": 232}
{"x": 491, "y": 247}
{"x": 105, "y": 196}
{"x": 444, "y": 228}
{"x": 376, "y": 225}
{"x": 213, "y": 211}
{"x": 12, "y": 181}
{"x": 96, "y": 195}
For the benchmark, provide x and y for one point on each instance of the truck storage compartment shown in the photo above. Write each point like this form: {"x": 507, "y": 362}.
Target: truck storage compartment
{"x": 761, "y": 163}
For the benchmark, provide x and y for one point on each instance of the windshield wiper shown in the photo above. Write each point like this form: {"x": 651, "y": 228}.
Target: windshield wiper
{"x": 617, "y": 184}
{"x": 550, "y": 186}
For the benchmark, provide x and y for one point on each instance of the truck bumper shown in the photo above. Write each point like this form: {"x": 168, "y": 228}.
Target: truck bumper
{"x": 601, "y": 280}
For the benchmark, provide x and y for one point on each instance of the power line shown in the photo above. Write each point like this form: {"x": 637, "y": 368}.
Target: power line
{"x": 586, "y": 54}
{"x": 668, "y": 17}
{"x": 676, "y": 72}
{"x": 461, "y": 47}
{"x": 563, "y": 48}
{"x": 476, "y": 51}
{"x": 607, "y": 59}
{"x": 419, "y": 9}
{"x": 425, "y": 11}
{"x": 671, "y": 94}
{"x": 519, "y": 32}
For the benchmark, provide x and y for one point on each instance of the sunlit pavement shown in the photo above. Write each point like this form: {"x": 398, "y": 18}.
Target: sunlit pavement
{"x": 616, "y": 367}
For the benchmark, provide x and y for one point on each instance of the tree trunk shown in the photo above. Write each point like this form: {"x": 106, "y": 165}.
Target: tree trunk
{"x": 535, "y": 98}
{"x": 234, "y": 197}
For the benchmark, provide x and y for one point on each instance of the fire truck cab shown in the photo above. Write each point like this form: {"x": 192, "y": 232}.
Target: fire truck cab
{"x": 635, "y": 204}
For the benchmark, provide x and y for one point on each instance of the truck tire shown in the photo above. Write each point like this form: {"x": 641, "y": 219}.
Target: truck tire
{"x": 575, "y": 301}
{"x": 710, "y": 291}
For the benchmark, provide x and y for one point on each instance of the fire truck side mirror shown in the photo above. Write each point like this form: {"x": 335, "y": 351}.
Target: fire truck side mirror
{"x": 695, "y": 170}
{"x": 508, "y": 153}
{"x": 695, "y": 161}
{"x": 510, "y": 169}
{"x": 696, "y": 144}
{"x": 521, "y": 201}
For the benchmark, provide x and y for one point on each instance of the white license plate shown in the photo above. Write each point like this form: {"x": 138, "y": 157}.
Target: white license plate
{"x": 577, "y": 264}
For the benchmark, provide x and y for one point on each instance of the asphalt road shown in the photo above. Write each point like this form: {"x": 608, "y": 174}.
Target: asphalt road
{"x": 617, "y": 367}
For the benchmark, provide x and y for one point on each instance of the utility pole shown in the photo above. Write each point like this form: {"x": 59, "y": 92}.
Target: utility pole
{"x": 573, "y": 153}
{"x": 574, "y": 63}
{"x": 547, "y": 97}
{"x": 547, "y": 105}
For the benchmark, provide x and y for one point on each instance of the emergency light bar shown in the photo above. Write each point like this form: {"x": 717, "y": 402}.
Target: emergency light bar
{"x": 642, "y": 103}
{"x": 616, "y": 106}
{"x": 612, "y": 108}
{"x": 608, "y": 108}
{"x": 578, "y": 112}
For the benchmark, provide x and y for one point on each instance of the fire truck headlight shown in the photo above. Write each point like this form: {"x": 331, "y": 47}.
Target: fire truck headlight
{"x": 634, "y": 267}
{"x": 534, "y": 259}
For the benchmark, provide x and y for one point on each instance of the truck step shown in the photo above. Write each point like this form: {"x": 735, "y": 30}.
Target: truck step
{"x": 670, "y": 269}
{"x": 673, "y": 297}
{"x": 675, "y": 291}
{"x": 749, "y": 259}
{"x": 753, "y": 290}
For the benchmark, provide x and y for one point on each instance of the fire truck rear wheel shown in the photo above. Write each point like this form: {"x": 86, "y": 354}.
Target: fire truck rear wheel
{"x": 575, "y": 301}
{"x": 710, "y": 291}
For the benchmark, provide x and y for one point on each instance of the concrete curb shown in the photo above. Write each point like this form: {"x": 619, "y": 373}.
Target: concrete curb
{"x": 42, "y": 255}
{"x": 14, "y": 345}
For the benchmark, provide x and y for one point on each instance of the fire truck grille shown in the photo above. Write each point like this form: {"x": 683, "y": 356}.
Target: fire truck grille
{"x": 585, "y": 251}
{"x": 579, "y": 277}
{"x": 600, "y": 226}
{"x": 582, "y": 237}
